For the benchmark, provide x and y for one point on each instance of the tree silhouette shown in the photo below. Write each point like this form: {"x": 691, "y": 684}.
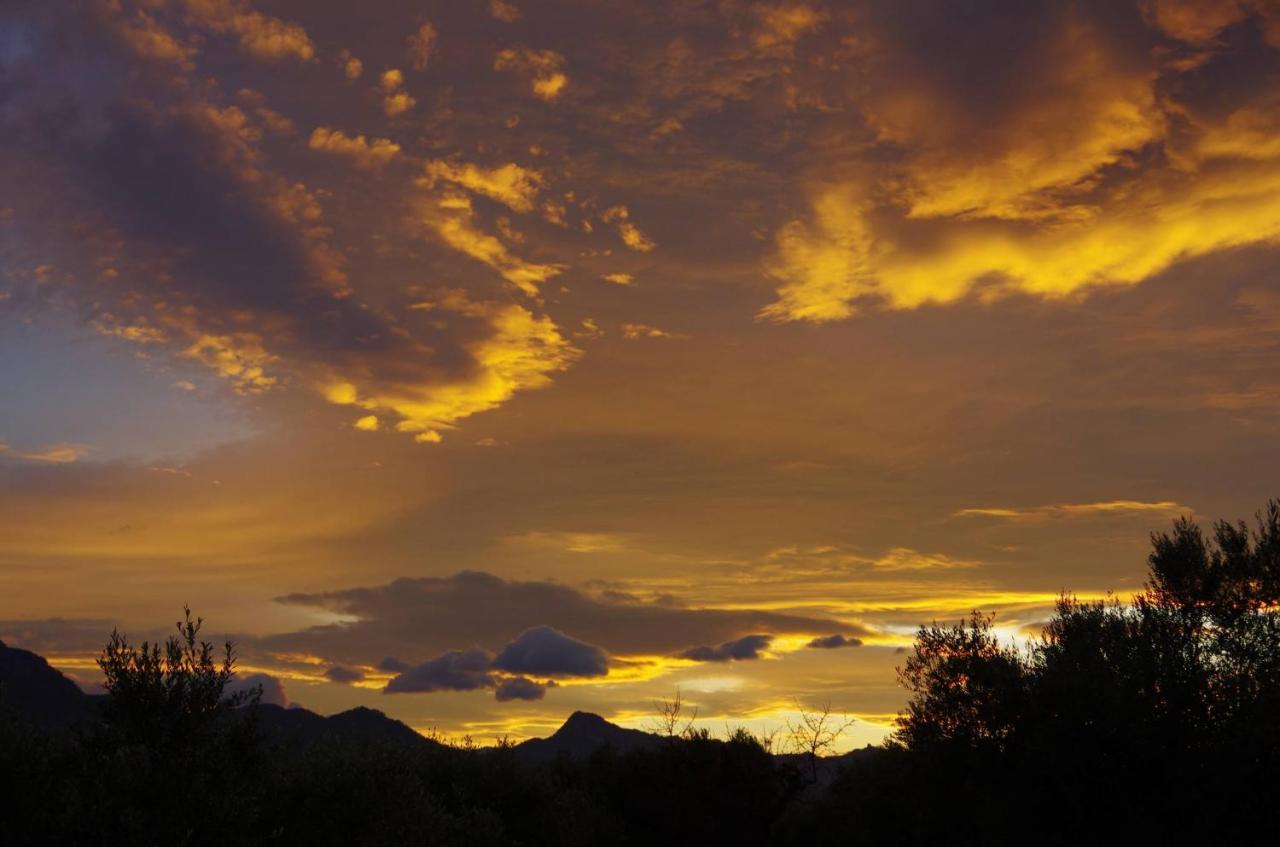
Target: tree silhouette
{"x": 966, "y": 687}
{"x": 1120, "y": 709}
{"x": 177, "y": 758}
{"x": 815, "y": 733}
{"x": 170, "y": 695}
{"x": 672, "y": 721}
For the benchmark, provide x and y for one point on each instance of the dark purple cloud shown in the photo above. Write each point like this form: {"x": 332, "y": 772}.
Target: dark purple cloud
{"x": 456, "y": 670}
{"x": 545, "y": 651}
{"x": 420, "y": 618}
{"x": 829, "y": 642}
{"x": 520, "y": 688}
{"x": 393, "y": 665}
{"x": 344, "y": 675}
{"x": 739, "y": 649}
{"x": 736, "y": 650}
{"x": 540, "y": 651}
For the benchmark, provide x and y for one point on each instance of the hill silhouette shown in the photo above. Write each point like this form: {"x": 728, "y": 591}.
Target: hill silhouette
{"x": 582, "y": 734}
{"x": 41, "y": 693}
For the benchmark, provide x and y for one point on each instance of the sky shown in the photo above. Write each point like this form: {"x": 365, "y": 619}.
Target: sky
{"x": 484, "y": 360}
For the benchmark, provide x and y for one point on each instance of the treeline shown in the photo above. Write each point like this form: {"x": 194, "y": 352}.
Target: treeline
{"x": 1155, "y": 720}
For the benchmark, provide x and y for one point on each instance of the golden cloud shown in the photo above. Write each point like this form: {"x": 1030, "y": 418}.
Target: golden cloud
{"x": 395, "y": 99}
{"x": 1200, "y": 21}
{"x": 503, "y": 11}
{"x": 450, "y": 217}
{"x": 1096, "y": 179}
{"x": 261, "y": 36}
{"x": 1078, "y": 510}
{"x": 513, "y": 186}
{"x": 544, "y": 67}
{"x": 239, "y": 357}
{"x": 627, "y": 231}
{"x": 421, "y": 45}
{"x": 352, "y": 67}
{"x": 61, "y": 453}
{"x": 794, "y": 560}
{"x": 148, "y": 39}
{"x": 367, "y": 154}
{"x": 782, "y": 25}
{"x": 569, "y": 542}
{"x": 519, "y": 352}
{"x": 634, "y": 331}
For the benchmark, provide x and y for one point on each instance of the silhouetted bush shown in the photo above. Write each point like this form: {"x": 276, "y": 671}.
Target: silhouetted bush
{"x": 1156, "y": 719}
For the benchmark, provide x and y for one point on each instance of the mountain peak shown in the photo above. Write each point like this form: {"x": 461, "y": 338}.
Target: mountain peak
{"x": 585, "y": 720}
{"x": 582, "y": 734}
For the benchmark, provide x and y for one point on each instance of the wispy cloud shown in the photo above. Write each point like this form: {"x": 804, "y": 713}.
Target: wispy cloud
{"x": 570, "y": 542}
{"x": 1077, "y": 510}
{"x": 59, "y": 453}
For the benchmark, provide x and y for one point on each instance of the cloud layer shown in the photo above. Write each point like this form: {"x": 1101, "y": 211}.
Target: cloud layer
{"x": 541, "y": 651}
{"x": 521, "y": 624}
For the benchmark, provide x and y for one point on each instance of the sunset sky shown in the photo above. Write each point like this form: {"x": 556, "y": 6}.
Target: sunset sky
{"x": 483, "y": 360}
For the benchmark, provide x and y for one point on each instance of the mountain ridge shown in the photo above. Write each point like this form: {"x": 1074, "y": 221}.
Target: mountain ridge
{"x": 47, "y": 698}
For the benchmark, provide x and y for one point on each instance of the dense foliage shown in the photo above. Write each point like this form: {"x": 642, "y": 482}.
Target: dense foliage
{"x": 1155, "y": 720}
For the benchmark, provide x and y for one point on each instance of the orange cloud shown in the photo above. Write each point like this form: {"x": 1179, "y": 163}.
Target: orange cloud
{"x": 239, "y": 357}
{"x": 450, "y": 217}
{"x": 421, "y": 45}
{"x": 503, "y": 11}
{"x": 627, "y": 231}
{"x": 61, "y": 453}
{"x": 1077, "y": 510}
{"x": 782, "y": 25}
{"x": 367, "y": 154}
{"x": 545, "y": 68}
{"x": 395, "y": 99}
{"x": 352, "y": 67}
{"x": 634, "y": 331}
{"x": 1088, "y": 178}
{"x": 1200, "y": 21}
{"x": 519, "y": 352}
{"x": 148, "y": 39}
{"x": 261, "y": 36}
{"x": 513, "y": 186}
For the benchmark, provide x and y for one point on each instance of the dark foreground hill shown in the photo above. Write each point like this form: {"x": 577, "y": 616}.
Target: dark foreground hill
{"x": 39, "y": 692}
{"x": 582, "y": 734}
{"x": 70, "y": 776}
{"x": 41, "y": 695}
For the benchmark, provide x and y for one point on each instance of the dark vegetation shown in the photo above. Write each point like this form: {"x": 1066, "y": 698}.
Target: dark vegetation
{"x": 1147, "y": 722}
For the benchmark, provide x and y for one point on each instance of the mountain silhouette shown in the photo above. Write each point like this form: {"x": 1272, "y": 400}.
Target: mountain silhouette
{"x": 296, "y": 728}
{"x": 582, "y": 734}
{"x": 40, "y": 693}
{"x": 45, "y": 697}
